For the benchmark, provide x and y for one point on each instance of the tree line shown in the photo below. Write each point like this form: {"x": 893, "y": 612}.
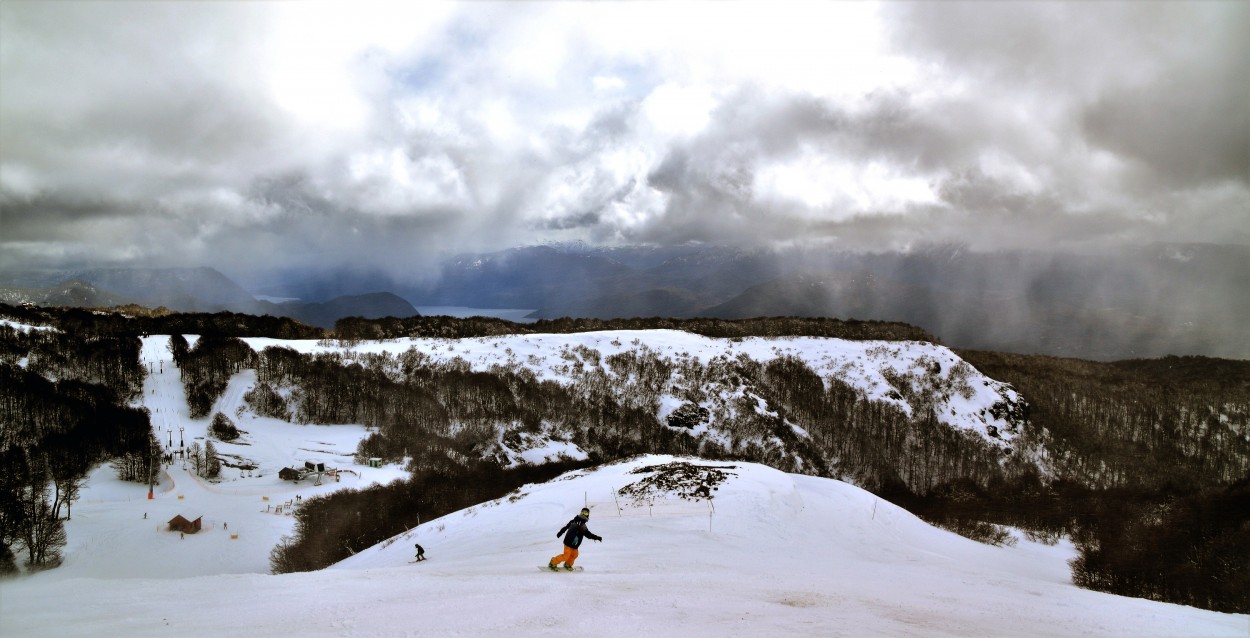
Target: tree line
{"x": 461, "y": 328}
{"x": 133, "y": 321}
{"x": 1151, "y": 473}
{"x": 64, "y": 408}
{"x": 136, "y": 321}
{"x": 205, "y": 370}
{"x": 1175, "y": 422}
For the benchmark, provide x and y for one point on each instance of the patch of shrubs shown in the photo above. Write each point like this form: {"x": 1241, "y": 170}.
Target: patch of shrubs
{"x": 223, "y": 428}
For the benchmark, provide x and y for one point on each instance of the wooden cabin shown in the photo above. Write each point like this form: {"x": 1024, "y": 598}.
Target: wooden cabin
{"x": 181, "y": 524}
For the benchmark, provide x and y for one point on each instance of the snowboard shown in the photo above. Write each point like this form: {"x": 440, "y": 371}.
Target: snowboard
{"x": 544, "y": 568}
{"x": 418, "y": 561}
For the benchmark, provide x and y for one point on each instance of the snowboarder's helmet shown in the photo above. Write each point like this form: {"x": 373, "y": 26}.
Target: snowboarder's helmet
{"x": 586, "y": 512}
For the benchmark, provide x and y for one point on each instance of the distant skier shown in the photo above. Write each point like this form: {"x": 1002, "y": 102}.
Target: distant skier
{"x": 420, "y": 553}
{"x": 576, "y": 530}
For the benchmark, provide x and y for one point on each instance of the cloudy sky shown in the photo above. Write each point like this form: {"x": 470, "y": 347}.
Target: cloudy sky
{"x": 294, "y": 134}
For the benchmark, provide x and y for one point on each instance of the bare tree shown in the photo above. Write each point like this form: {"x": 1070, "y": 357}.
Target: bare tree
{"x": 65, "y": 491}
{"x": 41, "y": 532}
{"x": 212, "y": 464}
{"x": 196, "y": 454}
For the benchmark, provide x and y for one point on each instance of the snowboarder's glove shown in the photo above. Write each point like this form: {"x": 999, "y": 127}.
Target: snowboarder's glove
{"x": 557, "y": 534}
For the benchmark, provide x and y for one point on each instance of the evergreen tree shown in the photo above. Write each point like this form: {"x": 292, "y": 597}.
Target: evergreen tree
{"x": 223, "y": 428}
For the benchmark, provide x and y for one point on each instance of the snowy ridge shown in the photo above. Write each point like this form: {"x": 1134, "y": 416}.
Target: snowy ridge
{"x": 909, "y": 375}
{"x": 24, "y": 327}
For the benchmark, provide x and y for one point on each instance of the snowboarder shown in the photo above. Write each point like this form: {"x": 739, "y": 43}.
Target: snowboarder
{"x": 576, "y": 530}
{"x": 420, "y": 552}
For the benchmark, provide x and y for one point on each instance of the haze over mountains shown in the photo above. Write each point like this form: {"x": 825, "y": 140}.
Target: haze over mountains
{"x": 1133, "y": 303}
{"x": 185, "y": 290}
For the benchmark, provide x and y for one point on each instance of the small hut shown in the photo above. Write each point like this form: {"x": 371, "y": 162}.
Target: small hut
{"x": 181, "y": 524}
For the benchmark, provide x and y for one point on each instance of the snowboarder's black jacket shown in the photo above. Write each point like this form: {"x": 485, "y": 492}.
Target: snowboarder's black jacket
{"x": 576, "y": 530}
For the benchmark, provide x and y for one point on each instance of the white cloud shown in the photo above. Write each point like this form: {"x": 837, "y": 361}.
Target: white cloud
{"x": 840, "y": 190}
{"x": 484, "y": 124}
{"x": 676, "y": 111}
{"x": 607, "y": 83}
{"x": 390, "y": 182}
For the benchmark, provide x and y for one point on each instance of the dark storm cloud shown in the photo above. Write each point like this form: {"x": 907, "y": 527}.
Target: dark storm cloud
{"x": 1189, "y": 129}
{"x": 1188, "y": 120}
{"x": 138, "y": 92}
{"x": 45, "y": 216}
{"x": 1158, "y": 88}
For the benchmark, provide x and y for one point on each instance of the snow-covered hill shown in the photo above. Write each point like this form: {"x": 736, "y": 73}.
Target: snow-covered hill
{"x": 911, "y": 376}
{"x": 780, "y": 554}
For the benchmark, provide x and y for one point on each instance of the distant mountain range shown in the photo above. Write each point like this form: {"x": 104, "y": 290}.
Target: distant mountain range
{"x": 185, "y": 290}
{"x": 1185, "y": 299}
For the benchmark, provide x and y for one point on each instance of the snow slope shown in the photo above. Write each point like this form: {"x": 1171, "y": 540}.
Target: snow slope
{"x": 781, "y": 555}
{"x": 116, "y": 531}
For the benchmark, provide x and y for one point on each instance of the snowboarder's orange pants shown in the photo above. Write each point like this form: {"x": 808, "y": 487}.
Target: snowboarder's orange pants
{"x": 569, "y": 555}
